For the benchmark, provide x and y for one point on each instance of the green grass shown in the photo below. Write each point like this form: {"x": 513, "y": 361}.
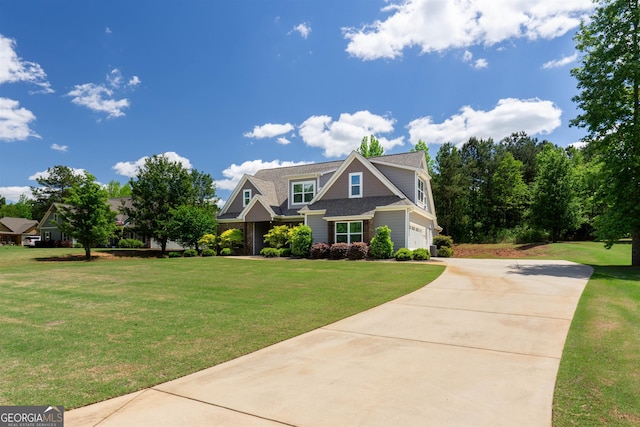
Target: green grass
{"x": 76, "y": 332}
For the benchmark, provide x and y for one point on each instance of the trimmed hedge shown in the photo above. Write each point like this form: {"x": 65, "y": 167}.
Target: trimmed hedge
{"x": 338, "y": 251}
{"x": 208, "y": 252}
{"x": 381, "y": 243}
{"x": 358, "y": 250}
{"x": 442, "y": 240}
{"x": 270, "y": 252}
{"x": 130, "y": 243}
{"x": 445, "y": 252}
{"x": 175, "y": 255}
{"x": 320, "y": 251}
{"x": 190, "y": 253}
{"x": 403, "y": 254}
{"x": 226, "y": 252}
{"x": 421, "y": 254}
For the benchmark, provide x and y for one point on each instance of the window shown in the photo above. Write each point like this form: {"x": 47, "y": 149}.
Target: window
{"x": 349, "y": 232}
{"x": 302, "y": 192}
{"x": 422, "y": 196}
{"x": 355, "y": 185}
{"x": 246, "y": 197}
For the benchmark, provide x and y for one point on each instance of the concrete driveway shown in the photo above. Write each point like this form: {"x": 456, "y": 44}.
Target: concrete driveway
{"x": 479, "y": 346}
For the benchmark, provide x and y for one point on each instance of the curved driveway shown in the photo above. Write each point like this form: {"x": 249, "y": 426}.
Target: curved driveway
{"x": 479, "y": 346}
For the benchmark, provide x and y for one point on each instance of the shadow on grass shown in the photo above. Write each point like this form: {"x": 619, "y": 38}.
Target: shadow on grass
{"x": 106, "y": 255}
{"x": 617, "y": 272}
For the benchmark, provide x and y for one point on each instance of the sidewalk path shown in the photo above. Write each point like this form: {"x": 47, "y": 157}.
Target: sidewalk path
{"x": 479, "y": 346}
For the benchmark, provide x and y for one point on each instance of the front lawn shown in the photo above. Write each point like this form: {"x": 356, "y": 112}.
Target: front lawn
{"x": 77, "y": 332}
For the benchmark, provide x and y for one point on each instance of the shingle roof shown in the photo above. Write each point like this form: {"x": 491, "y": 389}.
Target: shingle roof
{"x": 18, "y": 225}
{"x": 364, "y": 206}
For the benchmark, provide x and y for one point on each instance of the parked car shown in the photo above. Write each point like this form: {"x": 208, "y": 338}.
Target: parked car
{"x": 30, "y": 241}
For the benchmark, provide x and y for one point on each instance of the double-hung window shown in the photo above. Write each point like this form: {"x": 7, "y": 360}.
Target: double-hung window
{"x": 349, "y": 232}
{"x": 355, "y": 185}
{"x": 422, "y": 195}
{"x": 302, "y": 192}
{"x": 246, "y": 197}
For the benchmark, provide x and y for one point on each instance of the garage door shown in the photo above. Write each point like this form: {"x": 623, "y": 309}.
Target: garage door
{"x": 417, "y": 236}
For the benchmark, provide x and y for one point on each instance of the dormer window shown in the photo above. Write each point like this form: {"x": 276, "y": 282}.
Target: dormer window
{"x": 355, "y": 185}
{"x": 303, "y": 192}
{"x": 246, "y": 197}
{"x": 422, "y": 195}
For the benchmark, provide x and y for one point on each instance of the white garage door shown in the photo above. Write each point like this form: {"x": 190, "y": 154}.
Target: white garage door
{"x": 417, "y": 236}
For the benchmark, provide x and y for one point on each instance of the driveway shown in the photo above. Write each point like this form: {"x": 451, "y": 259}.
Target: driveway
{"x": 479, "y": 346}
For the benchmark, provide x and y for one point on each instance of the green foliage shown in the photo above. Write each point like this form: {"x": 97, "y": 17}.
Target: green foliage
{"x": 130, "y": 243}
{"x": 381, "y": 246}
{"x": 320, "y": 250}
{"x": 88, "y": 218}
{"x": 231, "y": 238}
{"x": 115, "y": 189}
{"x": 53, "y": 187}
{"x": 227, "y": 252}
{"x": 189, "y": 253}
{"x": 422, "y": 146}
{"x": 301, "y": 240}
{"x": 450, "y": 186}
{"x": 358, "y": 250}
{"x": 442, "y": 240}
{"x": 175, "y": 254}
{"x": 208, "y": 252}
{"x": 445, "y": 252}
{"x": 208, "y": 241}
{"x": 285, "y": 252}
{"x": 277, "y": 237}
{"x": 338, "y": 251}
{"x": 403, "y": 254}
{"x": 77, "y": 245}
{"x": 270, "y": 252}
{"x": 188, "y": 223}
{"x": 421, "y": 254}
{"x": 370, "y": 147}
{"x": 20, "y": 209}
{"x": 531, "y": 235}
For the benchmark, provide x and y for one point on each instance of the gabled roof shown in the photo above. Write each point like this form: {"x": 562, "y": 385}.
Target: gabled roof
{"x": 17, "y": 225}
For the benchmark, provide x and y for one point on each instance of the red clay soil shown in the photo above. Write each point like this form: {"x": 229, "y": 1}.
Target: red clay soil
{"x": 499, "y": 250}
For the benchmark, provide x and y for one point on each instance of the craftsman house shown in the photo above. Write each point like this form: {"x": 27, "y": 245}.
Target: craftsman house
{"x": 342, "y": 201}
{"x": 15, "y": 231}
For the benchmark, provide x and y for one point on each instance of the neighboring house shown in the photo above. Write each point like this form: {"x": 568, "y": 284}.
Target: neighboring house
{"x": 342, "y": 201}
{"x": 14, "y": 231}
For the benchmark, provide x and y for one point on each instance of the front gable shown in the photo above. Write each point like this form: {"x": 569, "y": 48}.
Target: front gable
{"x": 257, "y": 211}
{"x": 236, "y": 202}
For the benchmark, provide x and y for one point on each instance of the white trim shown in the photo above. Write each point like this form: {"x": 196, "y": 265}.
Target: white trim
{"x": 352, "y": 185}
{"x": 257, "y": 199}
{"x": 246, "y": 201}
{"x": 347, "y": 218}
{"x": 348, "y": 233}
{"x": 292, "y": 202}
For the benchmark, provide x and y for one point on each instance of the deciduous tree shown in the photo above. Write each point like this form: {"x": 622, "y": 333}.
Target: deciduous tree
{"x": 370, "y": 147}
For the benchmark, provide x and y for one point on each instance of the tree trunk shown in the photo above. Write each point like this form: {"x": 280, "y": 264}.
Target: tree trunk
{"x": 635, "y": 247}
{"x": 87, "y": 252}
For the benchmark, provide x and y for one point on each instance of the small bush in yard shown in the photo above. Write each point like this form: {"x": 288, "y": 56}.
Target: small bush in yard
{"x": 338, "y": 251}
{"x": 130, "y": 243}
{"x": 301, "y": 239}
{"x": 277, "y": 237}
{"x": 358, "y": 250}
{"x": 270, "y": 252}
{"x": 403, "y": 254}
{"x": 231, "y": 238}
{"x": 381, "y": 244}
{"x": 320, "y": 251}
{"x": 77, "y": 245}
{"x": 443, "y": 240}
{"x": 226, "y": 252}
{"x": 208, "y": 252}
{"x": 190, "y": 253}
{"x": 445, "y": 252}
{"x": 421, "y": 254}
{"x": 175, "y": 255}
{"x": 208, "y": 241}
{"x": 285, "y": 252}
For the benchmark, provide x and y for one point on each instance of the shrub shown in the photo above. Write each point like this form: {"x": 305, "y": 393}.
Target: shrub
{"x": 320, "y": 251}
{"x": 381, "y": 245}
{"x": 175, "y": 255}
{"x": 443, "y": 240}
{"x": 208, "y": 252}
{"x": 301, "y": 239}
{"x": 130, "y": 243}
{"x": 529, "y": 235}
{"x": 208, "y": 241}
{"x": 338, "y": 251}
{"x": 226, "y": 252}
{"x": 270, "y": 252}
{"x": 190, "y": 253}
{"x": 231, "y": 238}
{"x": 358, "y": 250}
{"x": 445, "y": 252}
{"x": 75, "y": 245}
{"x": 403, "y": 254}
{"x": 277, "y": 237}
{"x": 421, "y": 254}
{"x": 285, "y": 252}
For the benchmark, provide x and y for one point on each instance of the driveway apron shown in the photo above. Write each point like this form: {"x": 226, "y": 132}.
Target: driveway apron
{"x": 479, "y": 346}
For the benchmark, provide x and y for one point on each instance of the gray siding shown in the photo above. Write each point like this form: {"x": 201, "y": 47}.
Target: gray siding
{"x": 396, "y": 221}
{"x": 258, "y": 213}
{"x": 404, "y": 179}
{"x": 236, "y": 204}
{"x": 371, "y": 186}
{"x": 319, "y": 227}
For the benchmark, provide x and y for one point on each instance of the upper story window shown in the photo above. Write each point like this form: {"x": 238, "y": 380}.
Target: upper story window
{"x": 246, "y": 197}
{"x": 422, "y": 195}
{"x": 355, "y": 185}
{"x": 302, "y": 192}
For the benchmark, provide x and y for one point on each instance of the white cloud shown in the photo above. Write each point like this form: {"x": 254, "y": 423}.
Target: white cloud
{"x": 14, "y": 121}
{"x": 437, "y": 25}
{"x": 269, "y": 130}
{"x": 57, "y": 147}
{"x": 101, "y": 97}
{"x": 234, "y": 172}
{"x": 13, "y": 193}
{"x": 45, "y": 174}
{"x": 565, "y": 60}
{"x": 338, "y": 138}
{"x": 578, "y": 144}
{"x": 130, "y": 169}
{"x": 303, "y": 29}
{"x": 533, "y": 116}
{"x": 14, "y": 69}
{"x": 108, "y": 30}
{"x": 282, "y": 140}
{"x": 478, "y": 63}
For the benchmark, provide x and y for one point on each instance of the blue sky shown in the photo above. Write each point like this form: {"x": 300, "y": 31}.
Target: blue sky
{"x": 229, "y": 87}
